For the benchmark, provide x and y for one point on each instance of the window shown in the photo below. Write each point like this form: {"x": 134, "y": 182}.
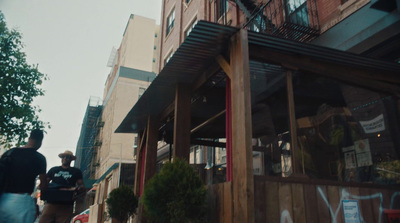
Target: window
{"x": 135, "y": 142}
{"x": 187, "y": 1}
{"x": 170, "y": 21}
{"x": 298, "y": 12}
{"x": 155, "y": 47}
{"x": 222, "y": 7}
{"x": 168, "y": 58}
{"x": 189, "y": 29}
{"x": 141, "y": 91}
{"x": 258, "y": 23}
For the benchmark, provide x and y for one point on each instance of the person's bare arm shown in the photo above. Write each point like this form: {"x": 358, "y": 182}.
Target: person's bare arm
{"x": 44, "y": 182}
{"x": 81, "y": 186}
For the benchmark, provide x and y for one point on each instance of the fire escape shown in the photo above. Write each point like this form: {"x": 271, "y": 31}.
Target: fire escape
{"x": 94, "y": 164}
{"x": 289, "y": 19}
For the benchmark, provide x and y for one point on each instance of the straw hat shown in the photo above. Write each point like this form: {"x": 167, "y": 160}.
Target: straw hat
{"x": 67, "y": 153}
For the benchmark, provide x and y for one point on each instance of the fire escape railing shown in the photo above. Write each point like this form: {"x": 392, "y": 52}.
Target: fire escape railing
{"x": 289, "y": 19}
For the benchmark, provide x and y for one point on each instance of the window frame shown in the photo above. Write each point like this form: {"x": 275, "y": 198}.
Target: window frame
{"x": 168, "y": 57}
{"x": 170, "y": 21}
{"x": 190, "y": 27}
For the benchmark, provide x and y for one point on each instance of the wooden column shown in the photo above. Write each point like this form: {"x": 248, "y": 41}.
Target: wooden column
{"x": 146, "y": 165}
{"x": 137, "y": 188}
{"x": 151, "y": 149}
{"x": 182, "y": 122}
{"x": 293, "y": 125}
{"x": 139, "y": 160}
{"x": 228, "y": 131}
{"x": 242, "y": 154}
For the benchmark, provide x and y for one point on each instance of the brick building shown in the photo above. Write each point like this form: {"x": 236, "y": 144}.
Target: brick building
{"x": 315, "y": 83}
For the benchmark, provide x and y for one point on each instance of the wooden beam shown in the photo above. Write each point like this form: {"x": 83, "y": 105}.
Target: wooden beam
{"x": 224, "y": 65}
{"x": 139, "y": 160}
{"x": 142, "y": 140}
{"x": 293, "y": 123}
{"x": 151, "y": 148}
{"x": 243, "y": 179}
{"x": 211, "y": 71}
{"x": 199, "y": 82}
{"x": 208, "y": 143}
{"x": 207, "y": 121}
{"x": 167, "y": 111}
{"x": 182, "y": 122}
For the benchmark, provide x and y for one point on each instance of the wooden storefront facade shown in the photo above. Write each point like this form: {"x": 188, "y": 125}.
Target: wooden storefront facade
{"x": 299, "y": 200}
{"x": 263, "y": 87}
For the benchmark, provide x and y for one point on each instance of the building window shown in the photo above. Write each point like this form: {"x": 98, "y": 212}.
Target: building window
{"x": 222, "y": 7}
{"x": 141, "y": 91}
{"x": 187, "y": 1}
{"x": 155, "y": 35}
{"x": 189, "y": 29}
{"x": 155, "y": 47}
{"x": 168, "y": 58}
{"x": 298, "y": 12}
{"x": 170, "y": 21}
{"x": 154, "y": 60}
{"x": 135, "y": 142}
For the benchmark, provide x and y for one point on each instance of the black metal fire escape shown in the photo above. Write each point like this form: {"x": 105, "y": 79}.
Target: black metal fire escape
{"x": 289, "y": 19}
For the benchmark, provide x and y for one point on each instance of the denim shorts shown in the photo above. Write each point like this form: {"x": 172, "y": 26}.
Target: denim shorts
{"x": 17, "y": 208}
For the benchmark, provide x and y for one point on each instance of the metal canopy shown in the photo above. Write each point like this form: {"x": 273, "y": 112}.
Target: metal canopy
{"x": 269, "y": 58}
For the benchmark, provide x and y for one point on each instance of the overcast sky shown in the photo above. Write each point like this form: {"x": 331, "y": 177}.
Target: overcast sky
{"x": 71, "y": 42}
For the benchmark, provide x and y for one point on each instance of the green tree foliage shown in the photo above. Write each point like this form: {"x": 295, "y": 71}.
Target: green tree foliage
{"x": 175, "y": 194}
{"x": 122, "y": 203}
{"x": 19, "y": 85}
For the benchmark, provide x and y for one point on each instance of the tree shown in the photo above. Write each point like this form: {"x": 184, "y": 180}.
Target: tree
{"x": 19, "y": 85}
{"x": 175, "y": 194}
{"x": 122, "y": 203}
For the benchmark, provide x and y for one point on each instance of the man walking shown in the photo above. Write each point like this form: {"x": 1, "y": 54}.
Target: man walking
{"x": 22, "y": 167}
{"x": 63, "y": 177}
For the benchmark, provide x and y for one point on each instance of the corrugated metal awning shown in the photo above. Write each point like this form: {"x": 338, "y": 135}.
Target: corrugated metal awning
{"x": 208, "y": 40}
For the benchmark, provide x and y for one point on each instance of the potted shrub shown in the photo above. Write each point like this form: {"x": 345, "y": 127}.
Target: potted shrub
{"x": 122, "y": 203}
{"x": 175, "y": 194}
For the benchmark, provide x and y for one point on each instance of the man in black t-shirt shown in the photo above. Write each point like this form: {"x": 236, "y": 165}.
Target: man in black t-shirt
{"x": 67, "y": 178}
{"x": 23, "y": 166}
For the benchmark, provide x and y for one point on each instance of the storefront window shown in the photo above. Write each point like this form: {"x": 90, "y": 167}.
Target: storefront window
{"x": 345, "y": 132}
{"x": 356, "y": 141}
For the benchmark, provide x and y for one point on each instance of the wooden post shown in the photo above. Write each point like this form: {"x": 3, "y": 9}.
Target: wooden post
{"x": 147, "y": 161}
{"x": 151, "y": 149}
{"x": 242, "y": 160}
{"x": 293, "y": 126}
{"x": 182, "y": 122}
{"x": 139, "y": 160}
{"x": 228, "y": 130}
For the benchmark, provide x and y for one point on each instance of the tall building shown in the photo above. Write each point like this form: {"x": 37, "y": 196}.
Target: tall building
{"x": 360, "y": 26}
{"x": 133, "y": 67}
{"x": 86, "y": 141}
{"x": 132, "y": 70}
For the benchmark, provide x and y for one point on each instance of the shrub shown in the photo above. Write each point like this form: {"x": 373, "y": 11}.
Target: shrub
{"x": 122, "y": 203}
{"x": 175, "y": 194}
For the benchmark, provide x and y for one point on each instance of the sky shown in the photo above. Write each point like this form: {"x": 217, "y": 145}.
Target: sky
{"x": 71, "y": 42}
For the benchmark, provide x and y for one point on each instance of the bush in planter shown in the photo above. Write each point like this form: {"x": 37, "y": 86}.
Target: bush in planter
{"x": 175, "y": 194}
{"x": 122, "y": 203}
